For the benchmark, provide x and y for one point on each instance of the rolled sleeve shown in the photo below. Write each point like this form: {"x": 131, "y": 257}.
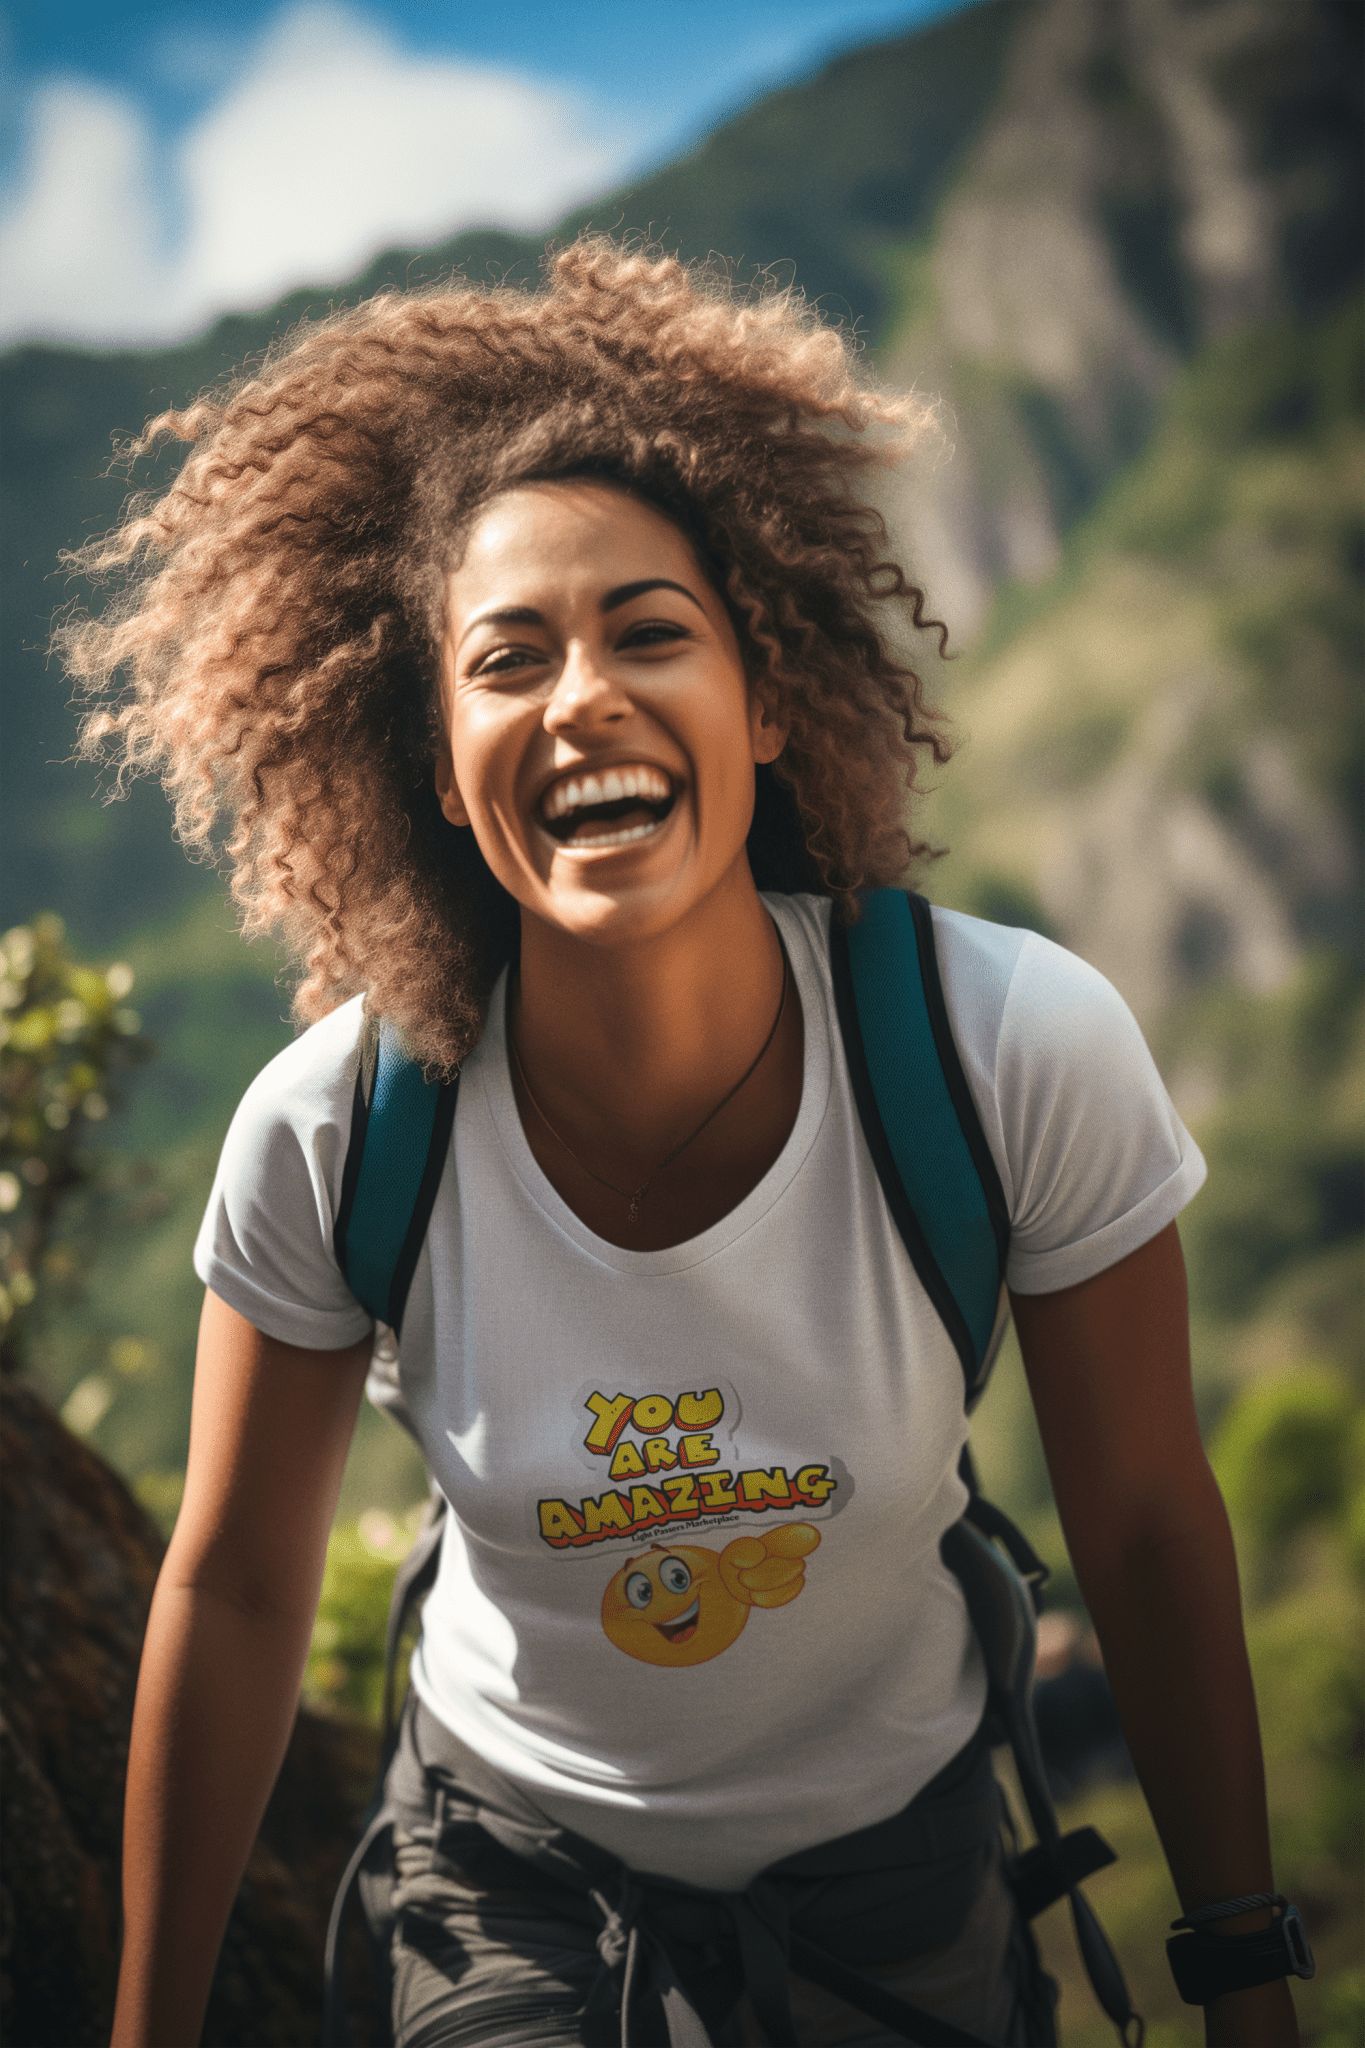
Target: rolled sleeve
{"x": 265, "y": 1245}
{"x": 1098, "y": 1159}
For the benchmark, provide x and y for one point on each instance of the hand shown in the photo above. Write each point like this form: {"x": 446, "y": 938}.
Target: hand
{"x": 767, "y": 1570}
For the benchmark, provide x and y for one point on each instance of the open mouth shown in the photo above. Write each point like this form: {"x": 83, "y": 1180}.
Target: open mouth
{"x": 610, "y": 808}
{"x": 681, "y": 1630}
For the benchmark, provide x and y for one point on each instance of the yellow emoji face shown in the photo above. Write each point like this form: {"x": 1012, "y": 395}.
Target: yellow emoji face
{"x": 685, "y": 1604}
{"x": 671, "y": 1607}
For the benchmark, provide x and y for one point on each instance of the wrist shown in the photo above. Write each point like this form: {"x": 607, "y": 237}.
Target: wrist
{"x": 1211, "y": 1960}
{"x": 1263, "y": 2018}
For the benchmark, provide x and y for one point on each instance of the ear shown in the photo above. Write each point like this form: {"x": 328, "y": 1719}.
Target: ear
{"x": 767, "y": 731}
{"x": 448, "y": 790}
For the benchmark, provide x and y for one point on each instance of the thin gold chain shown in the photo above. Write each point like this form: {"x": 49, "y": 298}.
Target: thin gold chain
{"x": 636, "y": 1197}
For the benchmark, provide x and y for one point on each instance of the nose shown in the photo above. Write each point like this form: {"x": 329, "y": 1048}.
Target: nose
{"x": 584, "y": 695}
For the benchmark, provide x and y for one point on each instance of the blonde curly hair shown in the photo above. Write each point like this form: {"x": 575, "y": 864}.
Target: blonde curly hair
{"x": 273, "y": 645}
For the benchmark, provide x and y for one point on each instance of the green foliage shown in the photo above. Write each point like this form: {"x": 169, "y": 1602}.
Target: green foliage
{"x": 1284, "y": 1454}
{"x": 1343, "y": 2010}
{"x": 160, "y": 1494}
{"x": 1003, "y": 899}
{"x": 66, "y": 1037}
{"x": 1305, "y": 1664}
{"x": 1258, "y": 397}
{"x": 345, "y": 1671}
{"x": 216, "y": 1015}
{"x": 1285, "y": 1149}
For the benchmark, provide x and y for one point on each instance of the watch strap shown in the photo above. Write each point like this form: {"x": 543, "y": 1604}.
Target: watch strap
{"x": 1209, "y": 1966}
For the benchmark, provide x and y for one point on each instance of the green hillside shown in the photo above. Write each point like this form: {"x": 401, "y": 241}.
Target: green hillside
{"x": 1190, "y": 676}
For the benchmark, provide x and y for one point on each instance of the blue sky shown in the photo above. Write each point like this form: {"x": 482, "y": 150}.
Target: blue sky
{"x": 164, "y": 162}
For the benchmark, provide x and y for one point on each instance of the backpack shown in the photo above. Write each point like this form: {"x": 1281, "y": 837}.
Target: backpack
{"x": 944, "y": 1195}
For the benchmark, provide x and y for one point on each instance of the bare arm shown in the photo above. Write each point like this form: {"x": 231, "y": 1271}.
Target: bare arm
{"x": 226, "y": 1644}
{"x": 1108, "y": 1368}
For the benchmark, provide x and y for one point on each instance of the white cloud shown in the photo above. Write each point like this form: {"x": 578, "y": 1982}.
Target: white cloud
{"x": 331, "y": 144}
{"x": 79, "y": 245}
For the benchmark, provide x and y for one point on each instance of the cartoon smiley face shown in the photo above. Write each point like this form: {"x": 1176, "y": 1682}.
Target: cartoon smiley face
{"x": 685, "y": 1604}
{"x": 671, "y": 1607}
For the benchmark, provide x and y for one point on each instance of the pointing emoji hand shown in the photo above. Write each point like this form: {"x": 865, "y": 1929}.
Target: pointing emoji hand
{"x": 768, "y": 1570}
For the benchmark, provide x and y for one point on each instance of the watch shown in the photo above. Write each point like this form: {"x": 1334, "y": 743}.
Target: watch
{"x": 1207, "y": 1966}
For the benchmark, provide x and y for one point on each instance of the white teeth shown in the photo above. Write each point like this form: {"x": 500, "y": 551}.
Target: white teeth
{"x": 612, "y": 787}
{"x": 601, "y": 839}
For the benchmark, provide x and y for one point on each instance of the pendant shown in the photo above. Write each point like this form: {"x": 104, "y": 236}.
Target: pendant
{"x": 635, "y": 1200}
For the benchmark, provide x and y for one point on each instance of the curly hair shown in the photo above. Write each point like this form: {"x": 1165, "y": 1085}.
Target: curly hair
{"x": 273, "y": 645}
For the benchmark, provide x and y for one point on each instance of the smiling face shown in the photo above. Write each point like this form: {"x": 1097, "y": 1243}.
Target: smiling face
{"x": 672, "y": 1607}
{"x": 601, "y": 731}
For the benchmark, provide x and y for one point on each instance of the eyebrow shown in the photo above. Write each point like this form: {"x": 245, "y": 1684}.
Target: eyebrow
{"x": 526, "y": 615}
{"x": 503, "y": 615}
{"x": 626, "y": 591}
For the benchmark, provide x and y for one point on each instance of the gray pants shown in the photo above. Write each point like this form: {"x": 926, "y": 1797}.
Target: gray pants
{"x": 479, "y": 1968}
{"x": 489, "y": 1946}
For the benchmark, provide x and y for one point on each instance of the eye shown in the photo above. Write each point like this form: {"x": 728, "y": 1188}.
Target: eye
{"x": 653, "y": 633}
{"x": 504, "y": 660}
{"x": 674, "y": 1576}
{"x": 638, "y": 1590}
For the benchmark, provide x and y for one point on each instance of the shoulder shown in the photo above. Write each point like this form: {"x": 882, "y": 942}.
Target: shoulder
{"x": 265, "y": 1245}
{"x": 1007, "y": 989}
{"x": 1015, "y": 1000}
{"x": 306, "y": 1090}
{"x": 1092, "y": 1156}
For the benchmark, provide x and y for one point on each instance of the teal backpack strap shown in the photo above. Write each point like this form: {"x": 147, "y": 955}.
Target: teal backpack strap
{"x": 400, "y": 1134}
{"x": 919, "y": 1119}
{"x": 401, "y": 1125}
{"x": 945, "y": 1198}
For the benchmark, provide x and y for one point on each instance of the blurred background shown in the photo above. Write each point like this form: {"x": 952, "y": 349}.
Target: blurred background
{"x": 1119, "y": 243}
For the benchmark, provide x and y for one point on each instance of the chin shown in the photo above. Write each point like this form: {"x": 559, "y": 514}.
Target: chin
{"x": 605, "y": 903}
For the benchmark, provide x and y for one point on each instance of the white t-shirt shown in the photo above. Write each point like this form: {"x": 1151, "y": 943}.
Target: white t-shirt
{"x": 690, "y": 1596}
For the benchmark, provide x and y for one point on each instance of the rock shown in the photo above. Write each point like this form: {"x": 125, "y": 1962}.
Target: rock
{"x": 80, "y": 1559}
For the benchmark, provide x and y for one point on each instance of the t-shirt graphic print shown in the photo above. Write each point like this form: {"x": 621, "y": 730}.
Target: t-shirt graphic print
{"x": 679, "y": 1474}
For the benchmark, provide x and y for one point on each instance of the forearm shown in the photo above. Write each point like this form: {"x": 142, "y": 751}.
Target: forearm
{"x": 1168, "y": 1616}
{"x": 215, "y": 1705}
{"x": 1108, "y": 1367}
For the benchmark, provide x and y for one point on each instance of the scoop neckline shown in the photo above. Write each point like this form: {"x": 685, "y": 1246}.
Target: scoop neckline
{"x": 494, "y": 1075}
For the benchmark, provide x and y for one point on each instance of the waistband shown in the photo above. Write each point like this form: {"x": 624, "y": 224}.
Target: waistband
{"x": 882, "y": 1893}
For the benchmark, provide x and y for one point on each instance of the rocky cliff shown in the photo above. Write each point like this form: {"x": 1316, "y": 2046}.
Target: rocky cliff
{"x": 1152, "y": 179}
{"x": 79, "y": 1562}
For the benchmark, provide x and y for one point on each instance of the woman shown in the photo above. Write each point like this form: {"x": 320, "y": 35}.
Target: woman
{"x": 483, "y": 616}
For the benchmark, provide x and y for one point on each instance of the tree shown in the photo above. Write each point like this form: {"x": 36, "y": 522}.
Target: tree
{"x": 66, "y": 1038}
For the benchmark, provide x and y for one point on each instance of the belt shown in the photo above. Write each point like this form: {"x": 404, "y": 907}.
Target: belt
{"x": 823, "y": 1912}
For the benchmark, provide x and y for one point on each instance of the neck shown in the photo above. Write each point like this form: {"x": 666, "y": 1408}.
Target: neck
{"x": 636, "y": 1038}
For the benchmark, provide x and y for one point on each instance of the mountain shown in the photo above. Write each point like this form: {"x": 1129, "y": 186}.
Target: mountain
{"x": 1163, "y": 766}
{"x": 1035, "y": 208}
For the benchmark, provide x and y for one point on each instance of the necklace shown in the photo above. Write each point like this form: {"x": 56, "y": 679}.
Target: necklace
{"x": 634, "y": 1197}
